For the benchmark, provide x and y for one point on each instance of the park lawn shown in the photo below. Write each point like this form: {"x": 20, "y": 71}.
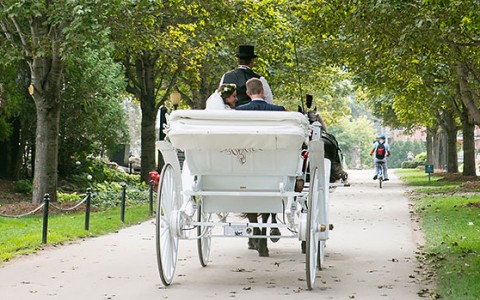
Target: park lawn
{"x": 451, "y": 226}
{"x": 24, "y": 235}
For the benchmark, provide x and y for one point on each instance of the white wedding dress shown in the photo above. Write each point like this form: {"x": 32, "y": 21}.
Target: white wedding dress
{"x": 215, "y": 102}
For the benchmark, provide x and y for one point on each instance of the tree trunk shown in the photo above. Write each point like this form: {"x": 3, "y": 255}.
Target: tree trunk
{"x": 17, "y": 144}
{"x": 47, "y": 75}
{"x": 451, "y": 130}
{"x": 452, "y": 156}
{"x": 468, "y": 128}
{"x": 148, "y": 140}
{"x": 430, "y": 157}
{"x": 46, "y": 152}
{"x": 470, "y": 116}
{"x": 466, "y": 93}
{"x": 439, "y": 149}
{"x": 463, "y": 85}
{"x": 145, "y": 72}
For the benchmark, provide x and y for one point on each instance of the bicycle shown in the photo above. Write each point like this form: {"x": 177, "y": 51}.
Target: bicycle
{"x": 379, "y": 166}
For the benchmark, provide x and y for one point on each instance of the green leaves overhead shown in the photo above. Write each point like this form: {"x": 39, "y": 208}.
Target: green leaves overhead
{"x": 401, "y": 50}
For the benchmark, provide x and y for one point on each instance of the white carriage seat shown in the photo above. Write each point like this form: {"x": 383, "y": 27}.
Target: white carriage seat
{"x": 218, "y": 130}
{"x": 239, "y": 142}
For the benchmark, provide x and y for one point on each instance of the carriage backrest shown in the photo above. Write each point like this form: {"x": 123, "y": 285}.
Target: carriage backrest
{"x": 239, "y": 143}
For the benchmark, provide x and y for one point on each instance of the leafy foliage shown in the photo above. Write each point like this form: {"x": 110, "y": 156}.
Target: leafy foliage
{"x": 400, "y": 150}
{"x": 409, "y": 164}
{"x": 355, "y": 138}
{"x": 23, "y": 186}
{"x": 94, "y": 96}
{"x": 110, "y": 195}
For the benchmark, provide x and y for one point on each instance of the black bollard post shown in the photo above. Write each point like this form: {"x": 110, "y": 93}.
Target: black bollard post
{"x": 124, "y": 194}
{"x": 87, "y": 209}
{"x": 151, "y": 197}
{"x": 46, "y": 201}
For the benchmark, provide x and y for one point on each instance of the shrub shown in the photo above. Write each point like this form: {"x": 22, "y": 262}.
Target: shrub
{"x": 63, "y": 197}
{"x": 110, "y": 194}
{"x": 409, "y": 164}
{"x": 421, "y": 159}
{"x": 400, "y": 150}
{"x": 94, "y": 170}
{"x": 23, "y": 186}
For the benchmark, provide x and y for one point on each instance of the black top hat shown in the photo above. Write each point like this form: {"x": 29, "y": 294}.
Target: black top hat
{"x": 246, "y": 51}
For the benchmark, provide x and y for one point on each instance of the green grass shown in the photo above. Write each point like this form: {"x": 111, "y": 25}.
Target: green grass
{"x": 416, "y": 177}
{"x": 24, "y": 235}
{"x": 451, "y": 226}
{"x": 419, "y": 180}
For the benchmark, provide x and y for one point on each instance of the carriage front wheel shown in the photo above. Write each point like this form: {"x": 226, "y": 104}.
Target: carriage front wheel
{"x": 314, "y": 248}
{"x": 166, "y": 239}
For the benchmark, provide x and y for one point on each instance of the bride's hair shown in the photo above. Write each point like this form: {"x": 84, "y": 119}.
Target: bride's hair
{"x": 226, "y": 90}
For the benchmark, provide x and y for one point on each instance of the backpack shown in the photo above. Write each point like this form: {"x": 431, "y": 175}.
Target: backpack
{"x": 380, "y": 152}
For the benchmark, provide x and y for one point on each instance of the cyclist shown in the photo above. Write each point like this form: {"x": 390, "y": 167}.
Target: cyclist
{"x": 380, "y": 152}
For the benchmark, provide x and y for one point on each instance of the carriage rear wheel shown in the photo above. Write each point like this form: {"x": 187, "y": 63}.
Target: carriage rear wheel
{"x": 313, "y": 256}
{"x": 166, "y": 238}
{"x": 205, "y": 234}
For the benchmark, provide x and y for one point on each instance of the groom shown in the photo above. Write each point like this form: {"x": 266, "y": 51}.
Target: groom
{"x": 256, "y": 92}
{"x": 239, "y": 76}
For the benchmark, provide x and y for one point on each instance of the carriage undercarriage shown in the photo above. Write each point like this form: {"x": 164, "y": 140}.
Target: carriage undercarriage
{"x": 195, "y": 201}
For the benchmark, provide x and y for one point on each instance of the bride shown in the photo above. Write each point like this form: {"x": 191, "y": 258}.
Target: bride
{"x": 223, "y": 98}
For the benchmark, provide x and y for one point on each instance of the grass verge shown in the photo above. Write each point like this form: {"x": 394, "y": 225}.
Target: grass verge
{"x": 24, "y": 235}
{"x": 450, "y": 222}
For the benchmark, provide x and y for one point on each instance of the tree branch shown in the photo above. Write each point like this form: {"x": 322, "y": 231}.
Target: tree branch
{"x": 133, "y": 85}
{"x": 21, "y": 35}
{"x": 170, "y": 86}
{"x": 7, "y": 33}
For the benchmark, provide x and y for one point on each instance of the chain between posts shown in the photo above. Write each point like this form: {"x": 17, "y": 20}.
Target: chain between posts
{"x": 87, "y": 200}
{"x": 25, "y": 214}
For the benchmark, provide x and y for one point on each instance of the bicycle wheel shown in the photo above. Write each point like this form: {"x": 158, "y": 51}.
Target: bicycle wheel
{"x": 380, "y": 174}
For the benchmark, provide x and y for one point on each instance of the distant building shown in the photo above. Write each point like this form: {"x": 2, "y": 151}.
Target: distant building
{"x": 417, "y": 135}
{"x": 399, "y": 135}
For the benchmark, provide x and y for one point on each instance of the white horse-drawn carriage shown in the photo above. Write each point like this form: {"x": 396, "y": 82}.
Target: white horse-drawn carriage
{"x": 241, "y": 162}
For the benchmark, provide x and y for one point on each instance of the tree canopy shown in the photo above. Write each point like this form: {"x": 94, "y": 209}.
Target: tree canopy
{"x": 413, "y": 63}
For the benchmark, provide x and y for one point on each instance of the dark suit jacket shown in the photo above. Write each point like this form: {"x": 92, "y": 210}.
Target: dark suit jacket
{"x": 240, "y": 77}
{"x": 260, "y": 105}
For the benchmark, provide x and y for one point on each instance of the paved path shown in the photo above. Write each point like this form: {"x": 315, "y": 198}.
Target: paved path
{"x": 370, "y": 255}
